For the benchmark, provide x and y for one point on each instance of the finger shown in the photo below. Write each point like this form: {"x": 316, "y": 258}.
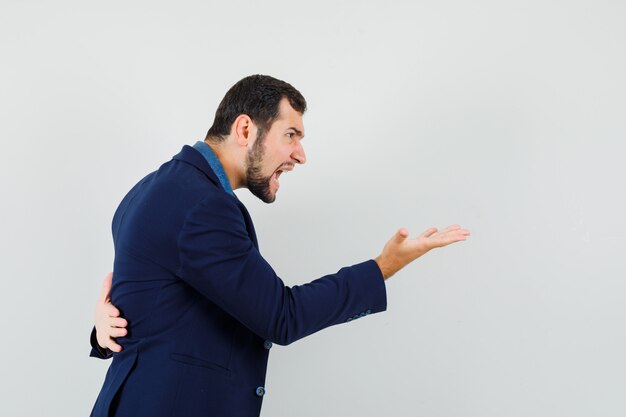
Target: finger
{"x": 452, "y": 227}
{"x": 118, "y": 332}
{"x": 118, "y": 322}
{"x": 460, "y": 232}
{"x": 400, "y": 235}
{"x": 429, "y": 232}
{"x": 453, "y": 239}
{"x": 111, "y": 310}
{"x": 455, "y": 230}
{"x": 445, "y": 239}
{"x": 106, "y": 288}
{"x": 113, "y": 346}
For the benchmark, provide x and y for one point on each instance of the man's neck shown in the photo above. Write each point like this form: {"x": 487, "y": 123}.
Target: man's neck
{"x": 229, "y": 163}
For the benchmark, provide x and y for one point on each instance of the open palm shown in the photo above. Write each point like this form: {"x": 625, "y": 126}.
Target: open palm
{"x": 399, "y": 251}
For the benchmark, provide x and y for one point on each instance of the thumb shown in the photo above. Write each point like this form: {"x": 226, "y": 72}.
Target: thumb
{"x": 106, "y": 288}
{"x": 400, "y": 235}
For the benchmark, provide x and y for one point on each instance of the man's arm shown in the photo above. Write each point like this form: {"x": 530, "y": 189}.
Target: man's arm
{"x": 219, "y": 260}
{"x": 398, "y": 252}
{"x": 109, "y": 324}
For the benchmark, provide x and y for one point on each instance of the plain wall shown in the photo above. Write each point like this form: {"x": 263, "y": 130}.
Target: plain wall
{"x": 506, "y": 117}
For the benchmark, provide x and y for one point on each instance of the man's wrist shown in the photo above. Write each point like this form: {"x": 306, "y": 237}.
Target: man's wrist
{"x": 383, "y": 267}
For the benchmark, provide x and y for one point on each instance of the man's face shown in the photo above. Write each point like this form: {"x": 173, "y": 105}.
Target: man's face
{"x": 275, "y": 152}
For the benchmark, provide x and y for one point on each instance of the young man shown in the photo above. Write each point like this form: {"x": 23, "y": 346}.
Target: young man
{"x": 204, "y": 307}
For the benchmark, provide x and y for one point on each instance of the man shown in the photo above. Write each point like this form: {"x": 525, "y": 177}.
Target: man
{"x": 204, "y": 307}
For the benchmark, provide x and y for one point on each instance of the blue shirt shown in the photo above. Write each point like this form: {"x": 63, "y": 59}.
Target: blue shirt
{"x": 215, "y": 165}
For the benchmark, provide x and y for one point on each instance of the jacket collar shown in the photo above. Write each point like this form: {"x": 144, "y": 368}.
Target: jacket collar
{"x": 215, "y": 164}
{"x": 195, "y": 158}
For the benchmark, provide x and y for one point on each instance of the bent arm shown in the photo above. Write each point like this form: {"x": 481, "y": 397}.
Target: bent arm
{"x": 219, "y": 260}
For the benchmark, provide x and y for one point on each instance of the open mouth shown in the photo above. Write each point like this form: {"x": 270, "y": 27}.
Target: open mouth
{"x": 275, "y": 178}
{"x": 277, "y": 175}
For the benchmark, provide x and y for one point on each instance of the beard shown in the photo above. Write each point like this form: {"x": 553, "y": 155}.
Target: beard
{"x": 255, "y": 181}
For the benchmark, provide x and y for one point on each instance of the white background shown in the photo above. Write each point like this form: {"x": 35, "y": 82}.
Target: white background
{"x": 508, "y": 117}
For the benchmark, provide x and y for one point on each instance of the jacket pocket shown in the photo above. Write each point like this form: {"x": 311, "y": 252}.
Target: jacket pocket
{"x": 193, "y": 361}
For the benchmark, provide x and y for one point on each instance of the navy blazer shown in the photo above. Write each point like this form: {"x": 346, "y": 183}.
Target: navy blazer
{"x": 203, "y": 305}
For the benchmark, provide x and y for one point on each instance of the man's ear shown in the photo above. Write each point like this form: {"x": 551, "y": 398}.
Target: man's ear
{"x": 244, "y": 130}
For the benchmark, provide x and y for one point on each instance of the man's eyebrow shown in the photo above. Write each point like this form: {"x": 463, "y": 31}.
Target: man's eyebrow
{"x": 298, "y": 131}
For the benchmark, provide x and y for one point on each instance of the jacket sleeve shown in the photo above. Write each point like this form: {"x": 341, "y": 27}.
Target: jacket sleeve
{"x": 96, "y": 350}
{"x": 218, "y": 259}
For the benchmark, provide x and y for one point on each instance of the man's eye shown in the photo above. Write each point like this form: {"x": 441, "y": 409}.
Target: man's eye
{"x": 290, "y": 135}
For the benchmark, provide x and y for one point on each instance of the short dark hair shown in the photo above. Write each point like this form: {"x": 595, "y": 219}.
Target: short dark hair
{"x": 257, "y": 96}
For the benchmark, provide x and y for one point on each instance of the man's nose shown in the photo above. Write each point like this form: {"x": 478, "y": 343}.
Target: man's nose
{"x": 298, "y": 154}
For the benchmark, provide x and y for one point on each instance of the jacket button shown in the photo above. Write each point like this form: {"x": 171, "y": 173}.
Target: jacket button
{"x": 267, "y": 344}
{"x": 260, "y": 391}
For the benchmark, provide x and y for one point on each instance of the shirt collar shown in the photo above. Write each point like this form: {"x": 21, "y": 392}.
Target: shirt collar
{"x": 215, "y": 165}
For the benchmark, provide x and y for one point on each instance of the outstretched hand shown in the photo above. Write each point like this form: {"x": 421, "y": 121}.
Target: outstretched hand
{"x": 109, "y": 324}
{"x": 400, "y": 251}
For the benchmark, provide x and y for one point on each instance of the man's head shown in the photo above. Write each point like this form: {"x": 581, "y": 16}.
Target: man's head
{"x": 257, "y": 96}
{"x": 260, "y": 123}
